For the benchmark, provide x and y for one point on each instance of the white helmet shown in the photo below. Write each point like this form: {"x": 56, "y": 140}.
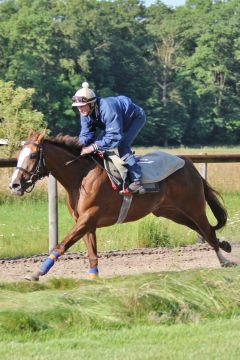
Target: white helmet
{"x": 83, "y": 96}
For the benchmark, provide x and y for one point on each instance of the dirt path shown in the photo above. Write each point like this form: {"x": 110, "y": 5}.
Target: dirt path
{"x": 120, "y": 263}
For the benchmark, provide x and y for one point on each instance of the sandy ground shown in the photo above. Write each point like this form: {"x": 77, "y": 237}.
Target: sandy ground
{"x": 119, "y": 263}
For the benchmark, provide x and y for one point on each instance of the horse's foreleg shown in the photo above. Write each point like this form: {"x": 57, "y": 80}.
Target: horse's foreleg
{"x": 91, "y": 244}
{"x": 83, "y": 226}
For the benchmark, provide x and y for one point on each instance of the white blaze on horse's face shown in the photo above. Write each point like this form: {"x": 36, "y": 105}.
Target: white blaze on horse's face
{"x": 14, "y": 184}
{"x": 23, "y": 155}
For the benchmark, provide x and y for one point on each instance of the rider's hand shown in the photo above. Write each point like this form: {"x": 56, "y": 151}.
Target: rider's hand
{"x": 87, "y": 150}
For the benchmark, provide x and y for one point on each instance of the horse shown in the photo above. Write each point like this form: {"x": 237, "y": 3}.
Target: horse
{"x": 92, "y": 202}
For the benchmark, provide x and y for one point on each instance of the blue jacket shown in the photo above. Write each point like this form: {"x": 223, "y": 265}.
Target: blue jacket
{"x": 115, "y": 115}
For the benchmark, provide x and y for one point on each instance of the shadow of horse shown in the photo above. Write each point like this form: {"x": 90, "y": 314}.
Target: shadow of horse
{"x": 93, "y": 204}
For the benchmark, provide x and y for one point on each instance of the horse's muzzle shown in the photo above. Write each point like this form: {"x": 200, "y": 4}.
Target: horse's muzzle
{"x": 16, "y": 188}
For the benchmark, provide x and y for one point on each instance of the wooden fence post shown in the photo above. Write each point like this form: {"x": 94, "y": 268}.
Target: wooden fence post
{"x": 52, "y": 212}
{"x": 203, "y": 172}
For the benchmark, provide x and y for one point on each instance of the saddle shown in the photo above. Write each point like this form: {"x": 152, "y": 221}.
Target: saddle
{"x": 155, "y": 167}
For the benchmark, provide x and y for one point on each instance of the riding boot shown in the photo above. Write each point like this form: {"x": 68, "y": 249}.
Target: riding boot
{"x": 134, "y": 169}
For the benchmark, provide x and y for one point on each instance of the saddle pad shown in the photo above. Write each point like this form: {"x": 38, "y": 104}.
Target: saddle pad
{"x": 158, "y": 165}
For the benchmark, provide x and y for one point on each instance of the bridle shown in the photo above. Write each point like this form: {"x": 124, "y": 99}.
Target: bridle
{"x": 39, "y": 170}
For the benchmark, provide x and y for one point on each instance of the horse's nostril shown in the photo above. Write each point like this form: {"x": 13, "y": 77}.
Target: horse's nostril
{"x": 15, "y": 186}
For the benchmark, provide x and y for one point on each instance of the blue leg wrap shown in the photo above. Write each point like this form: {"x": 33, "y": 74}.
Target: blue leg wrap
{"x": 48, "y": 262}
{"x": 93, "y": 273}
{"x": 93, "y": 270}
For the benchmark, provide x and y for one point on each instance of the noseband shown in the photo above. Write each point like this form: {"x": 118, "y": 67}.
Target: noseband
{"x": 36, "y": 173}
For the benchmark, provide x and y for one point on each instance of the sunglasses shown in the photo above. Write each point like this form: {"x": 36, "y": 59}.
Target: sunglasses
{"x": 79, "y": 99}
{"x": 82, "y": 99}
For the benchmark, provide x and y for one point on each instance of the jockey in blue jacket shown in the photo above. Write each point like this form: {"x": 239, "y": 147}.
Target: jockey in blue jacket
{"x": 120, "y": 121}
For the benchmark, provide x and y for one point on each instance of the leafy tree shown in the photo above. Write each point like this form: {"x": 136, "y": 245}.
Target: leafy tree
{"x": 181, "y": 65}
{"x": 105, "y": 47}
{"x": 167, "y": 111}
{"x": 212, "y": 70}
{"x": 17, "y": 115}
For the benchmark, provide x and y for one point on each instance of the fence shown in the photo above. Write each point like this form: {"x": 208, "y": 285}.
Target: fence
{"x": 52, "y": 203}
{"x": 52, "y": 185}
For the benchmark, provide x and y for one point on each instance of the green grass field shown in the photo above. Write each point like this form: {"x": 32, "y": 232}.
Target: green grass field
{"x": 212, "y": 340}
{"x": 177, "y": 315}
{"x": 24, "y": 228}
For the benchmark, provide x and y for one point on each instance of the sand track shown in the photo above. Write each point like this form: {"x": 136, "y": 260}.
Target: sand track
{"x": 119, "y": 263}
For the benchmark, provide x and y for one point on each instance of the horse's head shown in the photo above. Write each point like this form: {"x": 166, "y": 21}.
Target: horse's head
{"x": 30, "y": 165}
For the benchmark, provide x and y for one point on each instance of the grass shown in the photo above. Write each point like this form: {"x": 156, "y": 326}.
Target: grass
{"x": 154, "y": 316}
{"x": 163, "y": 299}
{"x": 24, "y": 228}
{"x": 178, "y": 315}
{"x": 29, "y": 235}
{"x": 213, "y": 340}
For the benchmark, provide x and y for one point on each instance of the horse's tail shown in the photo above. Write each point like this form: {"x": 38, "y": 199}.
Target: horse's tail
{"x": 212, "y": 197}
{"x": 215, "y": 205}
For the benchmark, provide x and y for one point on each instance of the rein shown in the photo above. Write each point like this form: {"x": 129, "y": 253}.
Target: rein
{"x": 114, "y": 179}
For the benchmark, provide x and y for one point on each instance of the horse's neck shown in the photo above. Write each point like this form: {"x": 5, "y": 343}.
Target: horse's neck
{"x": 69, "y": 176}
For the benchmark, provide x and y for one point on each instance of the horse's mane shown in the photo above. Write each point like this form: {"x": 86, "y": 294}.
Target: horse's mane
{"x": 66, "y": 141}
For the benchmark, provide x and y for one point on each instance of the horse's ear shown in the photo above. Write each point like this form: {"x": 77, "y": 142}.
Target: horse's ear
{"x": 30, "y": 133}
{"x": 41, "y": 135}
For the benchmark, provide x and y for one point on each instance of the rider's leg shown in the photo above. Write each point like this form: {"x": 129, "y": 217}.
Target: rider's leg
{"x": 127, "y": 155}
{"x": 134, "y": 174}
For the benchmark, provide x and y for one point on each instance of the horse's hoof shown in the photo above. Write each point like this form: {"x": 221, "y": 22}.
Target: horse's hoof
{"x": 224, "y": 245}
{"x": 33, "y": 277}
{"x": 229, "y": 264}
{"x": 92, "y": 276}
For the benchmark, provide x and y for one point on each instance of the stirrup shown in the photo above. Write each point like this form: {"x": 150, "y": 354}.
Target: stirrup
{"x": 139, "y": 189}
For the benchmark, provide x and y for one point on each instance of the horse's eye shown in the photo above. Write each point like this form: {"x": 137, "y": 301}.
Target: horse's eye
{"x": 34, "y": 155}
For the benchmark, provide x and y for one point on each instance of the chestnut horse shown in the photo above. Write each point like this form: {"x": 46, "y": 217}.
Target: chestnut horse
{"x": 93, "y": 204}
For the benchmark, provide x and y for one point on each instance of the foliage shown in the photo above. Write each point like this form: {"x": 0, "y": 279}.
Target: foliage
{"x": 181, "y": 65}
{"x": 16, "y": 115}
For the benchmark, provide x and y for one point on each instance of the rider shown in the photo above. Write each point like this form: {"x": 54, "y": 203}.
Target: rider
{"x": 120, "y": 121}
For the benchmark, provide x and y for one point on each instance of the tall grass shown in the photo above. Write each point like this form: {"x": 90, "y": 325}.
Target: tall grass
{"x": 154, "y": 316}
{"x": 168, "y": 298}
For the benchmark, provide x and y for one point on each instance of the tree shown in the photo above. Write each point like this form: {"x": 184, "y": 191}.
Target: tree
{"x": 168, "y": 120}
{"x": 212, "y": 71}
{"x": 181, "y": 65}
{"x": 17, "y": 115}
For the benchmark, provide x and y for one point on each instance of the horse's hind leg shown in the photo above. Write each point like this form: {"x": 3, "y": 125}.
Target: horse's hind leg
{"x": 209, "y": 234}
{"x": 176, "y": 216}
{"x": 201, "y": 225}
{"x": 91, "y": 244}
